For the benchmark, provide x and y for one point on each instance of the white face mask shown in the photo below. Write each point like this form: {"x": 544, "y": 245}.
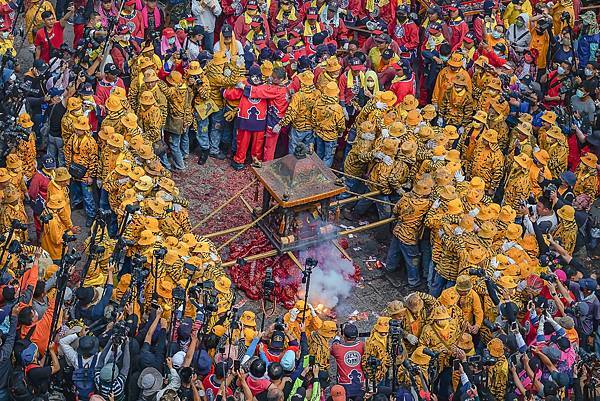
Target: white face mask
{"x": 380, "y": 105}
{"x": 588, "y": 72}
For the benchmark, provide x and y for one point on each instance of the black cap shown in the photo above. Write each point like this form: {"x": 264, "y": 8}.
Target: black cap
{"x": 387, "y": 54}
{"x": 197, "y": 30}
{"x": 277, "y": 340}
{"x": 350, "y": 331}
{"x": 303, "y": 63}
{"x": 88, "y": 345}
{"x": 40, "y": 66}
{"x": 227, "y": 31}
{"x": 85, "y": 295}
{"x": 111, "y": 69}
{"x": 48, "y": 162}
{"x": 86, "y": 89}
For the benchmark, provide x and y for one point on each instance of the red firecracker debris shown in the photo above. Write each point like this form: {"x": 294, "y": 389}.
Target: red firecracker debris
{"x": 343, "y": 243}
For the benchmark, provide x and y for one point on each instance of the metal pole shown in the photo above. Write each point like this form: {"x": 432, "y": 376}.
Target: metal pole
{"x": 252, "y": 258}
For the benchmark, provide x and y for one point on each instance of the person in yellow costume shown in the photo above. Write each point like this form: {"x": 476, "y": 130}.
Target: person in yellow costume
{"x": 518, "y": 183}
{"x": 115, "y": 112}
{"x": 332, "y": 72}
{"x": 514, "y": 9}
{"x": 328, "y": 122}
{"x": 33, "y": 17}
{"x": 563, "y": 16}
{"x": 357, "y": 160}
{"x": 150, "y": 117}
{"x": 539, "y": 171}
{"x": 247, "y": 328}
{"x": 558, "y": 151}
{"x": 470, "y": 137}
{"x": 293, "y": 319}
{"x": 446, "y": 77}
{"x": 456, "y": 106}
{"x": 498, "y": 372}
{"x": 521, "y": 139}
{"x": 26, "y": 149}
{"x": 441, "y": 335}
{"x": 497, "y": 122}
{"x": 319, "y": 343}
{"x": 53, "y": 231}
{"x": 74, "y": 111}
{"x": 488, "y": 161}
{"x": 587, "y": 176}
{"x": 566, "y": 230}
{"x": 376, "y": 346}
{"x": 12, "y": 208}
{"x": 469, "y": 302}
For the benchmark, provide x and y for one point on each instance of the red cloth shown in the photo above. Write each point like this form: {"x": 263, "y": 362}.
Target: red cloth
{"x": 553, "y": 90}
{"x": 211, "y": 387}
{"x": 38, "y": 185}
{"x": 55, "y": 36}
{"x": 77, "y": 34}
{"x": 243, "y": 139}
{"x": 405, "y": 35}
{"x": 104, "y": 89}
{"x": 403, "y": 88}
{"x": 136, "y": 18}
{"x": 493, "y": 58}
{"x": 458, "y": 29}
{"x": 270, "y": 144}
{"x": 348, "y": 361}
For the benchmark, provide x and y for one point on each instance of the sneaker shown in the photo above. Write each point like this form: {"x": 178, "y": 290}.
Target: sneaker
{"x": 237, "y": 166}
{"x": 218, "y": 156}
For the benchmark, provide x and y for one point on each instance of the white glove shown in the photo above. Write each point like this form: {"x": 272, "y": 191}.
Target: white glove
{"x": 458, "y": 231}
{"x": 277, "y": 129}
{"x": 522, "y": 285}
{"x": 440, "y": 122}
{"x": 239, "y": 62}
{"x": 461, "y": 130}
{"x": 385, "y": 133}
{"x": 437, "y": 158}
{"x": 507, "y": 245}
{"x": 412, "y": 339}
{"x": 436, "y": 204}
{"x": 123, "y": 180}
{"x": 381, "y": 105}
{"x": 430, "y": 144}
{"x": 346, "y": 116}
{"x": 167, "y": 197}
{"x": 367, "y": 136}
{"x": 177, "y": 207}
{"x": 388, "y": 160}
{"x": 99, "y": 183}
{"x": 294, "y": 314}
{"x": 240, "y": 85}
{"x": 458, "y": 176}
{"x": 379, "y": 155}
{"x": 536, "y": 148}
{"x": 139, "y": 197}
{"x": 497, "y": 275}
{"x": 474, "y": 212}
{"x": 441, "y": 232}
{"x": 494, "y": 263}
{"x": 313, "y": 312}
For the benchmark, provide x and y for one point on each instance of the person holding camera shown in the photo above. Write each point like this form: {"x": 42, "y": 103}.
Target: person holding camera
{"x": 50, "y": 37}
{"x": 553, "y": 80}
{"x": 539, "y": 218}
{"x": 540, "y": 28}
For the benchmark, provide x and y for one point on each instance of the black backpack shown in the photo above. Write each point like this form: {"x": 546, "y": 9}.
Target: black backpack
{"x": 19, "y": 387}
{"x": 83, "y": 378}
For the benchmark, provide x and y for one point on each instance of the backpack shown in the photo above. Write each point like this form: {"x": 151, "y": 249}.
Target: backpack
{"x": 19, "y": 387}
{"x": 83, "y": 378}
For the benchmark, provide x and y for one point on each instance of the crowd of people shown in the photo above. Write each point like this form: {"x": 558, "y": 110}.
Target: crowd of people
{"x": 474, "y": 125}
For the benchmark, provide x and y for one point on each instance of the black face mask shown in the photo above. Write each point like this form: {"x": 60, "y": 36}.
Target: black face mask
{"x": 402, "y": 18}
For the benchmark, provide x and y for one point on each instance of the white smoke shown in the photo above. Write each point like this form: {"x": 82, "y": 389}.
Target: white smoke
{"x": 329, "y": 284}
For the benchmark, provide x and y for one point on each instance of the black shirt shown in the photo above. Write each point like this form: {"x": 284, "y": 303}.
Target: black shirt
{"x": 39, "y": 378}
{"x": 54, "y": 115}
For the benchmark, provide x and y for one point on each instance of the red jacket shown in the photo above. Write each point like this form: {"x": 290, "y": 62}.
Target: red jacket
{"x": 103, "y": 90}
{"x": 401, "y": 88}
{"x": 277, "y": 100}
{"x": 252, "y": 112}
{"x": 38, "y": 186}
{"x": 405, "y": 35}
{"x": 138, "y": 32}
{"x": 459, "y": 29}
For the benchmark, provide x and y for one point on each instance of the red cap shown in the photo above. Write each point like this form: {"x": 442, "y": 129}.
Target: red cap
{"x": 168, "y": 32}
{"x": 130, "y": 3}
{"x": 338, "y": 393}
{"x": 452, "y": 8}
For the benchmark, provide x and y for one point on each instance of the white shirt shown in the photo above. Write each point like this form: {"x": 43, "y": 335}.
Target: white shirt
{"x": 238, "y": 45}
{"x": 206, "y": 13}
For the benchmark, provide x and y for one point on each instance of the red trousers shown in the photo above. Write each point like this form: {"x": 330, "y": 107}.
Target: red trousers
{"x": 243, "y": 143}
{"x": 270, "y": 144}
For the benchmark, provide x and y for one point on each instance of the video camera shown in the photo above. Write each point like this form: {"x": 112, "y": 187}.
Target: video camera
{"x": 487, "y": 359}
{"x": 479, "y": 272}
{"x": 268, "y": 283}
{"x": 279, "y": 325}
{"x": 491, "y": 326}
{"x": 549, "y": 277}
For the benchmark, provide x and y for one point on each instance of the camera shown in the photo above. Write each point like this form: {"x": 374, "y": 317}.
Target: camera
{"x": 410, "y": 368}
{"x": 551, "y": 278}
{"x": 487, "y": 359}
{"x": 139, "y": 260}
{"x": 119, "y": 332}
{"x": 160, "y": 253}
{"x": 587, "y": 357}
{"x": 548, "y": 189}
{"x": 268, "y": 283}
{"x": 479, "y": 272}
{"x": 69, "y": 237}
{"x": 491, "y": 326}
{"x": 544, "y": 24}
{"x": 551, "y": 260}
{"x": 14, "y": 247}
{"x": 178, "y": 294}
{"x": 565, "y": 16}
{"x": 373, "y": 363}
{"x": 17, "y": 225}
{"x": 279, "y": 324}
{"x": 45, "y": 218}
{"x": 97, "y": 249}
{"x": 431, "y": 353}
{"x": 72, "y": 258}
{"x": 396, "y": 329}
{"x": 132, "y": 208}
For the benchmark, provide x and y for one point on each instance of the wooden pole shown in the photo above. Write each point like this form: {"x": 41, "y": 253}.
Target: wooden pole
{"x": 251, "y": 258}
{"x": 353, "y": 198}
{"x": 367, "y": 226}
{"x": 254, "y": 223}
{"x": 224, "y": 232}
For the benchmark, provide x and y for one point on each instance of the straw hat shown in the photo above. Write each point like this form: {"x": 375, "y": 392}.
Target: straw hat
{"x": 390, "y": 117}
{"x": 566, "y": 213}
{"x": 144, "y": 183}
{"x": 524, "y": 127}
{"x": 495, "y": 83}
{"x": 171, "y": 257}
{"x": 382, "y": 325}
{"x": 306, "y": 78}
{"x": 189, "y": 239}
{"x": 368, "y": 126}
{"x": 449, "y": 297}
{"x": 496, "y": 347}
{"x": 157, "y": 206}
{"x": 4, "y": 176}
{"x": 395, "y": 308}
{"x": 116, "y": 141}
{"x": 165, "y": 289}
{"x": 397, "y": 129}
{"x": 248, "y": 318}
{"x": 56, "y": 202}
{"x": 193, "y": 70}
{"x": 146, "y": 152}
{"x": 529, "y": 243}
{"x": 487, "y": 230}
{"x": 223, "y": 284}
{"x": 424, "y": 186}
{"x": 151, "y": 224}
{"x": 448, "y": 192}
{"x": 450, "y": 132}
{"x": 147, "y": 99}
{"x": 328, "y": 329}
{"x": 482, "y": 61}
{"x": 136, "y": 141}
{"x": 219, "y": 58}
{"x": 409, "y": 149}
{"x": 512, "y": 270}
{"x": 24, "y": 120}
{"x": 105, "y": 132}
{"x": 513, "y": 231}
{"x": 123, "y": 167}
{"x": 426, "y": 133}
{"x": 476, "y": 255}
{"x": 119, "y": 92}
{"x": 167, "y": 184}
{"x": 74, "y": 103}
{"x": 589, "y": 159}
{"x": 413, "y": 118}
{"x": 170, "y": 242}
{"x": 456, "y": 60}
{"x": 490, "y": 135}
{"x": 419, "y": 357}
{"x": 82, "y": 123}
{"x": 388, "y": 97}
{"x": 459, "y": 80}
{"x": 507, "y": 214}
{"x": 507, "y": 282}
{"x": 480, "y": 116}
{"x": 555, "y": 132}
{"x": 438, "y": 151}
{"x": 266, "y": 68}
{"x": 113, "y": 103}
{"x": 549, "y": 117}
{"x": 331, "y": 89}
{"x": 440, "y": 313}
{"x": 129, "y": 120}
{"x": 455, "y": 207}
{"x": 332, "y": 64}
{"x": 61, "y": 174}
{"x": 13, "y": 162}
{"x": 150, "y": 76}
{"x": 465, "y": 342}
{"x": 428, "y": 112}
{"x": 146, "y": 238}
{"x": 541, "y": 156}
{"x": 411, "y": 103}
{"x": 523, "y": 160}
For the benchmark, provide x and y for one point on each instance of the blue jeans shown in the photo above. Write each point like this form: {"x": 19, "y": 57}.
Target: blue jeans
{"x": 185, "y": 144}
{"x": 82, "y": 192}
{"x": 164, "y": 159}
{"x": 175, "y": 145}
{"x": 230, "y": 135}
{"x": 353, "y": 185}
{"x": 202, "y": 133}
{"x": 104, "y": 204}
{"x": 296, "y": 137}
{"x": 349, "y": 141}
{"x": 383, "y": 210}
{"x": 55, "y": 149}
{"x": 326, "y": 150}
{"x": 4, "y": 395}
{"x": 411, "y": 256}
{"x": 425, "y": 249}
{"x": 217, "y": 125}
{"x": 439, "y": 284}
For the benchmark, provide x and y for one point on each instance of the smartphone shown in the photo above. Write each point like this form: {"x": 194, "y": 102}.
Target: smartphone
{"x": 514, "y": 326}
{"x": 221, "y": 350}
{"x": 475, "y": 359}
{"x": 456, "y": 364}
{"x": 236, "y": 365}
{"x": 311, "y": 360}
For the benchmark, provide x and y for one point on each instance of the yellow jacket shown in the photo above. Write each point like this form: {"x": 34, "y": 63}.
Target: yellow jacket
{"x": 328, "y": 118}
{"x": 557, "y": 10}
{"x": 566, "y": 231}
{"x": 587, "y": 181}
{"x": 219, "y": 80}
{"x": 376, "y": 346}
{"x": 444, "y": 81}
{"x": 518, "y": 187}
{"x": 511, "y": 13}
{"x": 82, "y": 150}
{"x": 8, "y": 213}
{"x": 410, "y": 211}
{"x": 151, "y": 122}
{"x": 488, "y": 163}
{"x": 52, "y": 234}
{"x": 357, "y": 161}
{"x": 27, "y": 153}
{"x": 470, "y": 304}
{"x": 441, "y": 341}
{"x": 559, "y": 153}
{"x": 300, "y": 109}
{"x": 55, "y": 190}
{"x": 113, "y": 119}
{"x": 66, "y": 125}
